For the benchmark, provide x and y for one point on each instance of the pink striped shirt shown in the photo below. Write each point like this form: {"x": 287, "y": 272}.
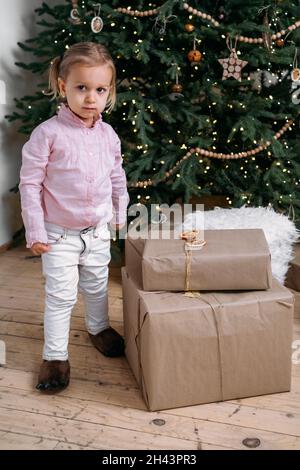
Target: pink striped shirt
{"x": 71, "y": 175}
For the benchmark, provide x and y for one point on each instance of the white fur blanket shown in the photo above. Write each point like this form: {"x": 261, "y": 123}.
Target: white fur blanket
{"x": 279, "y": 230}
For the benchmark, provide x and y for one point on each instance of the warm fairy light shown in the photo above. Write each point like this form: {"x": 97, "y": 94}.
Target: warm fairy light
{"x": 212, "y": 154}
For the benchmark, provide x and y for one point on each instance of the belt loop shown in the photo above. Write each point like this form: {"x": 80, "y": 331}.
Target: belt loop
{"x": 95, "y": 232}
{"x": 65, "y": 234}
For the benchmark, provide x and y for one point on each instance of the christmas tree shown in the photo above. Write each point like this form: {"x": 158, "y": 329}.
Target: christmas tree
{"x": 207, "y": 94}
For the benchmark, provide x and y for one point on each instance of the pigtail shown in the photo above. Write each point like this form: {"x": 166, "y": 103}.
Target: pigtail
{"x": 53, "y": 77}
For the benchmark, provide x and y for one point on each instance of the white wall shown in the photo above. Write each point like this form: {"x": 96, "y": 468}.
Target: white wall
{"x": 17, "y": 23}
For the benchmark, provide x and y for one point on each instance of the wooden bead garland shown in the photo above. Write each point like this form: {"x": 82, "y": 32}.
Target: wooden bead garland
{"x": 210, "y": 154}
{"x": 245, "y": 39}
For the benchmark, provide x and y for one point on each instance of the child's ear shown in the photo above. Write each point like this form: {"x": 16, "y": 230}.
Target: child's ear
{"x": 61, "y": 87}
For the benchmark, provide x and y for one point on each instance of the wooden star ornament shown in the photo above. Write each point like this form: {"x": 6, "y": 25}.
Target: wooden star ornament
{"x": 232, "y": 66}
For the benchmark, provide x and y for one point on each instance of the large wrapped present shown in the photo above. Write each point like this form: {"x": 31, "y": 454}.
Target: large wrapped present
{"x": 230, "y": 260}
{"x": 189, "y": 350}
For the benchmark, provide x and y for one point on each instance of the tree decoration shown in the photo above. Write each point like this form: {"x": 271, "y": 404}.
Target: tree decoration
{"x": 247, "y": 39}
{"x": 176, "y": 87}
{"x": 266, "y": 35}
{"x": 189, "y": 28}
{"x": 74, "y": 14}
{"x": 188, "y": 133}
{"x": 161, "y": 21}
{"x": 97, "y": 22}
{"x": 295, "y": 74}
{"x": 194, "y": 56}
{"x": 128, "y": 11}
{"x": 232, "y": 66}
{"x": 199, "y": 13}
{"x": 218, "y": 155}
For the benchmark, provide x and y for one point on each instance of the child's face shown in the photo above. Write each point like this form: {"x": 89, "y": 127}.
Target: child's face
{"x": 87, "y": 89}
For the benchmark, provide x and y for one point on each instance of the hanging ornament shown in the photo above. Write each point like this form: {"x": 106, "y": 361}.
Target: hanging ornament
{"x": 176, "y": 87}
{"x": 295, "y": 73}
{"x": 97, "y": 22}
{"x": 279, "y": 42}
{"x": 160, "y": 24}
{"x": 194, "y": 56}
{"x": 256, "y": 80}
{"x": 232, "y": 66}
{"x": 74, "y": 14}
{"x": 266, "y": 36}
{"x": 269, "y": 78}
{"x": 189, "y": 28}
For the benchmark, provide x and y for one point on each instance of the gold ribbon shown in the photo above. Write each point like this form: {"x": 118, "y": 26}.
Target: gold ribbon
{"x": 192, "y": 242}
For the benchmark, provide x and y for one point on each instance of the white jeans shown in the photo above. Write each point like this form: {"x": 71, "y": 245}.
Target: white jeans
{"x": 77, "y": 258}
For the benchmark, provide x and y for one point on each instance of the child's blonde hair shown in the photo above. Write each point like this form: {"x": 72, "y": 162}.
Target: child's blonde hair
{"x": 86, "y": 53}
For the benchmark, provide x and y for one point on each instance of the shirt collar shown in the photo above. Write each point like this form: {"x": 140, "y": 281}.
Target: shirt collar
{"x": 66, "y": 114}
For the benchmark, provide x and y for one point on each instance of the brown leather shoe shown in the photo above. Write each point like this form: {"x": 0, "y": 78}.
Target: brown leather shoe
{"x": 53, "y": 376}
{"x": 109, "y": 342}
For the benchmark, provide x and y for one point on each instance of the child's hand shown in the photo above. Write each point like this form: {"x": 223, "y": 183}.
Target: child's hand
{"x": 117, "y": 226}
{"x": 39, "y": 248}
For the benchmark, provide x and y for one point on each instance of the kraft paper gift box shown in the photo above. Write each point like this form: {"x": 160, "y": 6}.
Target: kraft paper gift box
{"x": 222, "y": 346}
{"x": 230, "y": 260}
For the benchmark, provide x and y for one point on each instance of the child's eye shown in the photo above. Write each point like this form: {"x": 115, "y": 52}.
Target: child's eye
{"x": 81, "y": 87}
{"x": 101, "y": 90}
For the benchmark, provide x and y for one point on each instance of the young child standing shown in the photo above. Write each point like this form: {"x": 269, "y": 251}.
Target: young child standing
{"x": 72, "y": 185}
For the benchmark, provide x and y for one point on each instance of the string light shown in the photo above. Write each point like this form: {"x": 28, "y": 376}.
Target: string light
{"x": 207, "y": 153}
{"x": 210, "y": 154}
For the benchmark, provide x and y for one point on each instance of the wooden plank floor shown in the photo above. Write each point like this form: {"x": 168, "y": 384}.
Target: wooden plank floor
{"x": 102, "y": 408}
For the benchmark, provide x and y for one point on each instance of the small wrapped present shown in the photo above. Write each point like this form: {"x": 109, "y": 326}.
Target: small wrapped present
{"x": 224, "y": 260}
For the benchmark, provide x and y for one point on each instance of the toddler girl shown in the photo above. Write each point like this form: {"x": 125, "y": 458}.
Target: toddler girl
{"x": 72, "y": 185}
